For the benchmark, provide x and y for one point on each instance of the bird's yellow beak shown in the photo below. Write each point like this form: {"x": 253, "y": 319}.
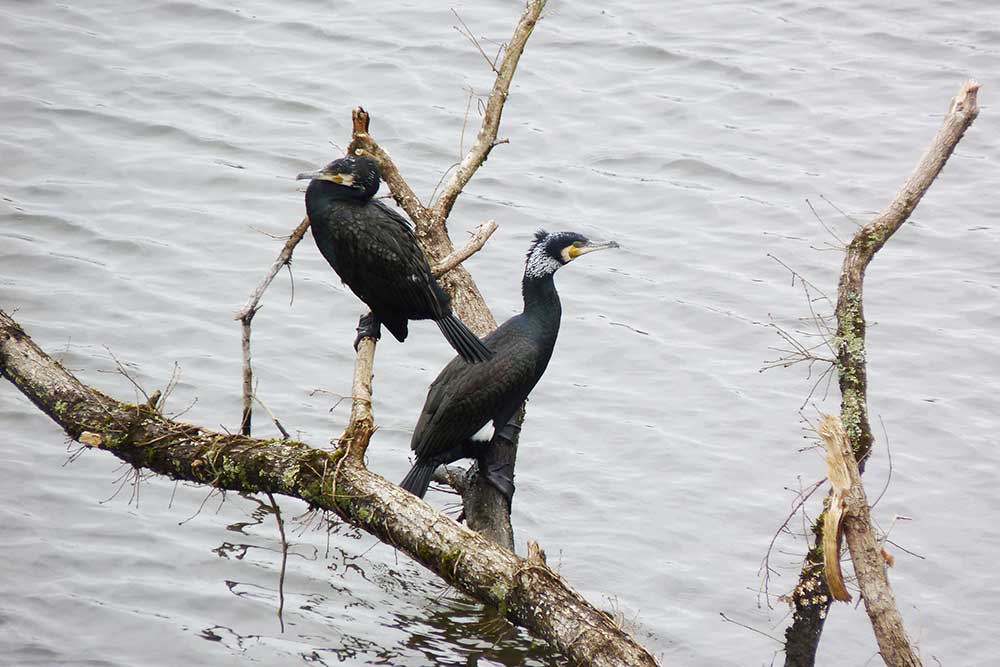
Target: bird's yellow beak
{"x": 591, "y": 246}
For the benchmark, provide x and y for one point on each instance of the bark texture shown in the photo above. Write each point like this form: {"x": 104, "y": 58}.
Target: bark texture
{"x": 811, "y": 597}
{"x": 525, "y": 591}
{"x": 869, "y": 564}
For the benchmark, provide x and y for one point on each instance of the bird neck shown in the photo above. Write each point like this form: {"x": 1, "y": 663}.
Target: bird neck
{"x": 541, "y": 301}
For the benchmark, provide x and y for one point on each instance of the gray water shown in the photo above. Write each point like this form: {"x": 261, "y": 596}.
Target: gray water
{"x": 145, "y": 147}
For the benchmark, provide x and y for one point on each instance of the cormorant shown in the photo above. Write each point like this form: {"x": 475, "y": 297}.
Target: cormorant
{"x": 469, "y": 406}
{"x": 374, "y": 251}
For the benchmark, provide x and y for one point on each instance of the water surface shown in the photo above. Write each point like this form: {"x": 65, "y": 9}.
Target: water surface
{"x": 147, "y": 147}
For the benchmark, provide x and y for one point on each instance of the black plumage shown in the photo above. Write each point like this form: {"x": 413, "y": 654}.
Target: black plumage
{"x": 465, "y": 399}
{"x": 374, "y": 251}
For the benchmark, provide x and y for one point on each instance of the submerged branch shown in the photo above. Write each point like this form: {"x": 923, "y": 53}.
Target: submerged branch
{"x": 811, "y": 597}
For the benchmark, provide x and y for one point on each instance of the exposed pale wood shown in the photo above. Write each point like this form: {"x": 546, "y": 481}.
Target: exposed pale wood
{"x": 474, "y": 244}
{"x": 840, "y": 486}
{"x": 525, "y": 591}
{"x": 810, "y": 598}
{"x": 866, "y": 555}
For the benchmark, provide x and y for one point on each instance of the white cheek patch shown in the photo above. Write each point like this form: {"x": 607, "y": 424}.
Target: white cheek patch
{"x": 485, "y": 434}
{"x": 567, "y": 257}
{"x": 347, "y": 179}
{"x": 541, "y": 263}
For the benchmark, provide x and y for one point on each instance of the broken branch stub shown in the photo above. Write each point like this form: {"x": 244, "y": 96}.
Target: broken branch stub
{"x": 810, "y": 598}
{"x": 866, "y": 555}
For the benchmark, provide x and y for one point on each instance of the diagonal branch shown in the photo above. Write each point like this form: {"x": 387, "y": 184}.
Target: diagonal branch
{"x": 475, "y": 243}
{"x": 526, "y": 591}
{"x": 811, "y": 597}
{"x": 487, "y": 138}
{"x": 404, "y": 195}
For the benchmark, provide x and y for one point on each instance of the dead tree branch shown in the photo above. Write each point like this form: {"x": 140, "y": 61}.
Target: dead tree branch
{"x": 475, "y": 243}
{"x": 487, "y": 138}
{"x": 811, "y": 597}
{"x": 250, "y": 308}
{"x": 866, "y": 554}
{"x": 486, "y": 510}
{"x": 526, "y": 591}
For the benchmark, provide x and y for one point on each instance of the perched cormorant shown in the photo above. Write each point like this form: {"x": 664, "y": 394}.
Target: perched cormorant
{"x": 469, "y": 406}
{"x": 374, "y": 251}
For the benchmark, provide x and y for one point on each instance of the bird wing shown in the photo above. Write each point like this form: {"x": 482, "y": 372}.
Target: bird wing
{"x": 380, "y": 260}
{"x": 465, "y": 397}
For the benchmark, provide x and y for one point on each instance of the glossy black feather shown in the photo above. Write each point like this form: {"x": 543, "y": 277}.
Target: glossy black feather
{"x": 466, "y": 397}
{"x": 375, "y": 252}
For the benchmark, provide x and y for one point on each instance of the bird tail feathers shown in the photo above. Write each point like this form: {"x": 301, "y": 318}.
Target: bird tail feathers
{"x": 460, "y": 337}
{"x": 419, "y": 478}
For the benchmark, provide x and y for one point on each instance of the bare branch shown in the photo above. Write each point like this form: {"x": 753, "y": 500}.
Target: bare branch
{"x": 475, "y": 244}
{"x": 494, "y": 108}
{"x": 249, "y": 309}
{"x": 452, "y": 476}
{"x": 804, "y": 634}
{"x": 526, "y": 591}
{"x": 401, "y": 191}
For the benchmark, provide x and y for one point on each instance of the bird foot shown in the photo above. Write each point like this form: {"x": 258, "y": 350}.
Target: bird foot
{"x": 509, "y": 431}
{"x": 368, "y": 327}
{"x": 501, "y": 477}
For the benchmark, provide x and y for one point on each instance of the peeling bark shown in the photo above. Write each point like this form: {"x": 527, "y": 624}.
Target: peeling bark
{"x": 869, "y": 565}
{"x": 811, "y": 597}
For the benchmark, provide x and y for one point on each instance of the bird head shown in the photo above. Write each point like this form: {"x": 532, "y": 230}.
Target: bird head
{"x": 550, "y": 251}
{"x": 357, "y": 174}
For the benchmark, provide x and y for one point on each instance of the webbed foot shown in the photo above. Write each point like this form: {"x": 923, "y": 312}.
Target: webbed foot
{"x": 368, "y": 327}
{"x": 501, "y": 477}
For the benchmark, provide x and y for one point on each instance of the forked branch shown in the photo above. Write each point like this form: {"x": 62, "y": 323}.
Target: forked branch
{"x": 249, "y": 309}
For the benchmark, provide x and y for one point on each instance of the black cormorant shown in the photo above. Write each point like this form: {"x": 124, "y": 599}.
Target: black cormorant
{"x": 468, "y": 406}
{"x": 374, "y": 251}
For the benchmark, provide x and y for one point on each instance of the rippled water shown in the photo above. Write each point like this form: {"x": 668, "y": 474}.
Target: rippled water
{"x": 145, "y": 147}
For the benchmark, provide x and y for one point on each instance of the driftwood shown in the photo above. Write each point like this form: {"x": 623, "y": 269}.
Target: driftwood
{"x": 525, "y": 591}
{"x": 811, "y": 597}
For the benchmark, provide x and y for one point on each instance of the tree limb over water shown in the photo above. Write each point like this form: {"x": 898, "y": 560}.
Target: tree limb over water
{"x": 481, "y": 564}
{"x": 811, "y": 597}
{"x": 526, "y": 591}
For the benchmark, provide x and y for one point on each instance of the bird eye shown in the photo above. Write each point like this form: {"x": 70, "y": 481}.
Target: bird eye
{"x": 577, "y": 244}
